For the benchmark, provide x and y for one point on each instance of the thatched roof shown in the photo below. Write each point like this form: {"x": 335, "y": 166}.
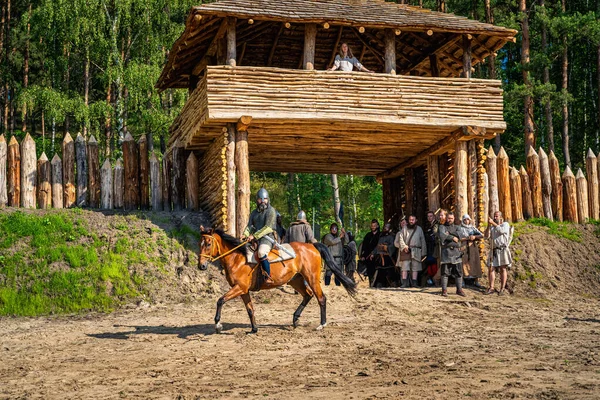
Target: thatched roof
{"x": 268, "y": 42}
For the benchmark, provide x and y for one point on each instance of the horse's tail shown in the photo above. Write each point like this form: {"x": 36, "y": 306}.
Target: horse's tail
{"x": 348, "y": 284}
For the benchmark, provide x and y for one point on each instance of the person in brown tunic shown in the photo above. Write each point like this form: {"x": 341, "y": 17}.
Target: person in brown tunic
{"x": 470, "y": 248}
{"x": 300, "y": 231}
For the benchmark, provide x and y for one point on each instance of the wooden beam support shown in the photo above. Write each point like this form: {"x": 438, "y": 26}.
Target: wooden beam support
{"x": 272, "y": 53}
{"x": 242, "y": 167}
{"x": 243, "y": 123}
{"x": 461, "y": 171}
{"x": 433, "y": 63}
{"x": 467, "y": 57}
{"x": 390, "y": 52}
{"x": 212, "y": 49}
{"x": 434, "y": 49}
{"x": 231, "y": 41}
{"x": 335, "y": 47}
{"x": 310, "y": 39}
{"x": 375, "y": 53}
{"x": 433, "y": 183}
{"x": 231, "y": 170}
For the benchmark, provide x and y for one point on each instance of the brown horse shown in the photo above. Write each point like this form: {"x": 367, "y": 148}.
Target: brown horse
{"x": 303, "y": 273}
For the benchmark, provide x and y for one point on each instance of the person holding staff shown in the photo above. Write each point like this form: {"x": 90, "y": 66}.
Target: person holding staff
{"x": 345, "y": 61}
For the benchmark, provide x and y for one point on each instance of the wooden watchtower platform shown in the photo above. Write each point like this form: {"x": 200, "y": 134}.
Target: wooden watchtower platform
{"x": 262, "y": 100}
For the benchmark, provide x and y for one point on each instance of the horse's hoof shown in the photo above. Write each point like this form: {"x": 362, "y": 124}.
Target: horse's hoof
{"x": 295, "y": 323}
{"x": 321, "y": 327}
{"x": 218, "y": 328}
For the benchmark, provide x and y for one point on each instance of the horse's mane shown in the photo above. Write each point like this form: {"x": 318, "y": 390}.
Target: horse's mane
{"x": 231, "y": 240}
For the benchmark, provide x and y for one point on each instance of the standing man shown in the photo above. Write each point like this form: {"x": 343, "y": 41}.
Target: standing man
{"x": 449, "y": 236}
{"x": 280, "y": 229}
{"x": 438, "y": 245}
{"x": 262, "y": 222}
{"x": 366, "y": 249}
{"x": 350, "y": 257}
{"x": 430, "y": 238}
{"x": 335, "y": 243}
{"x": 384, "y": 256}
{"x": 411, "y": 244}
{"x": 500, "y": 234}
{"x": 300, "y": 230}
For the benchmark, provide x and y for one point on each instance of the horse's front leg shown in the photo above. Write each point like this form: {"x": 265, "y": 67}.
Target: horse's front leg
{"x": 250, "y": 309}
{"x": 231, "y": 294}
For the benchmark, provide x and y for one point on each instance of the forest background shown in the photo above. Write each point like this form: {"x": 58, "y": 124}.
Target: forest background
{"x": 90, "y": 66}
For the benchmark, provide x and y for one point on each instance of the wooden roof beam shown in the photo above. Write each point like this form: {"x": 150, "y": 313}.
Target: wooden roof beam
{"x": 212, "y": 48}
{"x": 376, "y": 53}
{"x": 335, "y": 47}
{"x": 243, "y": 123}
{"x": 272, "y": 53}
{"x": 432, "y": 50}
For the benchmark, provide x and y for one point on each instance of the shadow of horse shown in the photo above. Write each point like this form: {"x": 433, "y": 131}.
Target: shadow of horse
{"x": 182, "y": 332}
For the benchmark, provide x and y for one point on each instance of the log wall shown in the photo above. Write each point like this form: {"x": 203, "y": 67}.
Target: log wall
{"x": 213, "y": 181}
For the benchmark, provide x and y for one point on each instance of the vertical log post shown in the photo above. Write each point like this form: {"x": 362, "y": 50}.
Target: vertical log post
{"x": 466, "y": 45}
{"x": 591, "y": 165}
{"x": 390, "y": 51}
{"x": 68, "y": 162}
{"x": 569, "y": 196}
{"x": 481, "y": 194}
{"x": 486, "y": 199}
{"x": 144, "y": 173}
{"x": 535, "y": 180}
{"x": 28, "y": 172}
{"x": 82, "y": 171}
{"x": 504, "y": 185}
{"x": 557, "y": 187}
{"x": 94, "y": 172}
{"x": 433, "y": 183}
{"x": 310, "y": 39}
{"x": 3, "y": 176}
{"x": 461, "y": 171}
{"x": 546, "y": 184}
{"x": 388, "y": 200}
{"x": 243, "y": 174}
{"x": 582, "y": 197}
{"x": 492, "y": 171}
{"x": 433, "y": 63}
{"x": 166, "y": 182}
{"x": 230, "y": 154}
{"x": 155, "y": 184}
{"x": 119, "y": 185}
{"x": 231, "y": 41}
{"x": 131, "y": 174}
{"x": 409, "y": 191}
{"x": 516, "y": 195}
{"x": 44, "y": 187}
{"x": 192, "y": 182}
{"x": 106, "y": 186}
{"x": 472, "y": 180}
{"x": 526, "y": 202}
{"x": 178, "y": 184}
{"x": 57, "y": 182}
{"x": 14, "y": 173}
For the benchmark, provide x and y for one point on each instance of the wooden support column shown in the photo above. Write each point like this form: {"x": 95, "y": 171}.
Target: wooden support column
{"x": 433, "y": 183}
{"x": 516, "y": 195}
{"x": 231, "y": 170}
{"x": 119, "y": 185}
{"x": 472, "y": 180}
{"x": 167, "y": 164}
{"x": 310, "y": 39}
{"x": 82, "y": 171}
{"x": 582, "y": 198}
{"x": 242, "y": 171}
{"x": 44, "y": 188}
{"x": 557, "y": 187}
{"x": 155, "y": 184}
{"x": 486, "y": 200}
{"x": 461, "y": 171}
{"x": 388, "y": 200}
{"x": 481, "y": 196}
{"x": 492, "y": 171}
{"x": 409, "y": 190}
{"x": 57, "y": 182}
{"x": 68, "y": 162}
{"x": 94, "y": 172}
{"x": 466, "y": 45}
{"x": 569, "y": 196}
{"x": 14, "y": 173}
{"x": 504, "y": 185}
{"x": 131, "y": 197}
{"x": 106, "y": 186}
{"x": 390, "y": 51}
{"x": 3, "y": 154}
{"x": 433, "y": 63}
{"x": 535, "y": 180}
{"x": 591, "y": 165}
{"x": 213, "y": 180}
{"x": 231, "y": 41}
{"x": 191, "y": 175}
{"x": 178, "y": 180}
{"x": 28, "y": 172}
{"x": 144, "y": 173}
{"x": 526, "y": 202}
{"x": 447, "y": 181}
{"x": 546, "y": 184}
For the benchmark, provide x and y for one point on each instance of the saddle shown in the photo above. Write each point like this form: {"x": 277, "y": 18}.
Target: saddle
{"x": 274, "y": 256}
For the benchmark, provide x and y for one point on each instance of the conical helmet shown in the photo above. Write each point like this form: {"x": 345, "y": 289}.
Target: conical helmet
{"x": 262, "y": 194}
{"x": 301, "y": 216}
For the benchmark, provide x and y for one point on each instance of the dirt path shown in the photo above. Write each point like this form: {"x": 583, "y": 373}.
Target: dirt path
{"x": 389, "y": 344}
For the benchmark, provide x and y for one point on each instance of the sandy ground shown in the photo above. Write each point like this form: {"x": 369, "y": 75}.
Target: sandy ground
{"x": 388, "y": 344}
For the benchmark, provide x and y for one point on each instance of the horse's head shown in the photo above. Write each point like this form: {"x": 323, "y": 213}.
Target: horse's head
{"x": 209, "y": 247}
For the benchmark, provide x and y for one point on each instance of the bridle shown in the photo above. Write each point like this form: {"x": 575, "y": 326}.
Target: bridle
{"x": 212, "y": 258}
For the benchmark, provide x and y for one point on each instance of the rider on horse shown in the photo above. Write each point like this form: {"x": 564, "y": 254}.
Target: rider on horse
{"x": 262, "y": 222}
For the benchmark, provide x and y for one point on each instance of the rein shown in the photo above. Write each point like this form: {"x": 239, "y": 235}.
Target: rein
{"x": 211, "y": 258}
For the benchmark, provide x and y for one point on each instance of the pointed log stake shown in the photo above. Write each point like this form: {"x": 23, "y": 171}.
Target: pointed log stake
{"x": 546, "y": 184}
{"x": 569, "y": 196}
{"x": 94, "y": 173}
{"x": 155, "y": 184}
{"x": 106, "y": 186}
{"x": 535, "y": 180}
{"x": 504, "y": 185}
{"x": 131, "y": 196}
{"x": 178, "y": 184}
{"x": 3, "y": 176}
{"x": 68, "y": 151}
{"x": 582, "y": 198}
{"x": 591, "y": 165}
{"x": 192, "y": 182}
{"x": 28, "y": 173}
{"x": 82, "y": 171}
{"x": 460, "y": 178}
{"x": 144, "y": 174}
{"x": 14, "y": 173}
{"x": 44, "y": 187}
{"x": 526, "y": 202}
{"x": 492, "y": 172}
{"x": 516, "y": 195}
{"x": 57, "y": 182}
{"x": 119, "y": 185}
{"x": 433, "y": 183}
{"x": 557, "y": 187}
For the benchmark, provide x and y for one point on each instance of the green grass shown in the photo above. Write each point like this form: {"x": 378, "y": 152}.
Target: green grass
{"x": 53, "y": 264}
{"x": 561, "y": 229}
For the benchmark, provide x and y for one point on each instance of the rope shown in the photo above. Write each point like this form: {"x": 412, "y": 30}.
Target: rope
{"x": 212, "y": 258}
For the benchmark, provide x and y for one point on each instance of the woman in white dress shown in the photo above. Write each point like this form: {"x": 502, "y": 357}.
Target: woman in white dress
{"x": 345, "y": 61}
